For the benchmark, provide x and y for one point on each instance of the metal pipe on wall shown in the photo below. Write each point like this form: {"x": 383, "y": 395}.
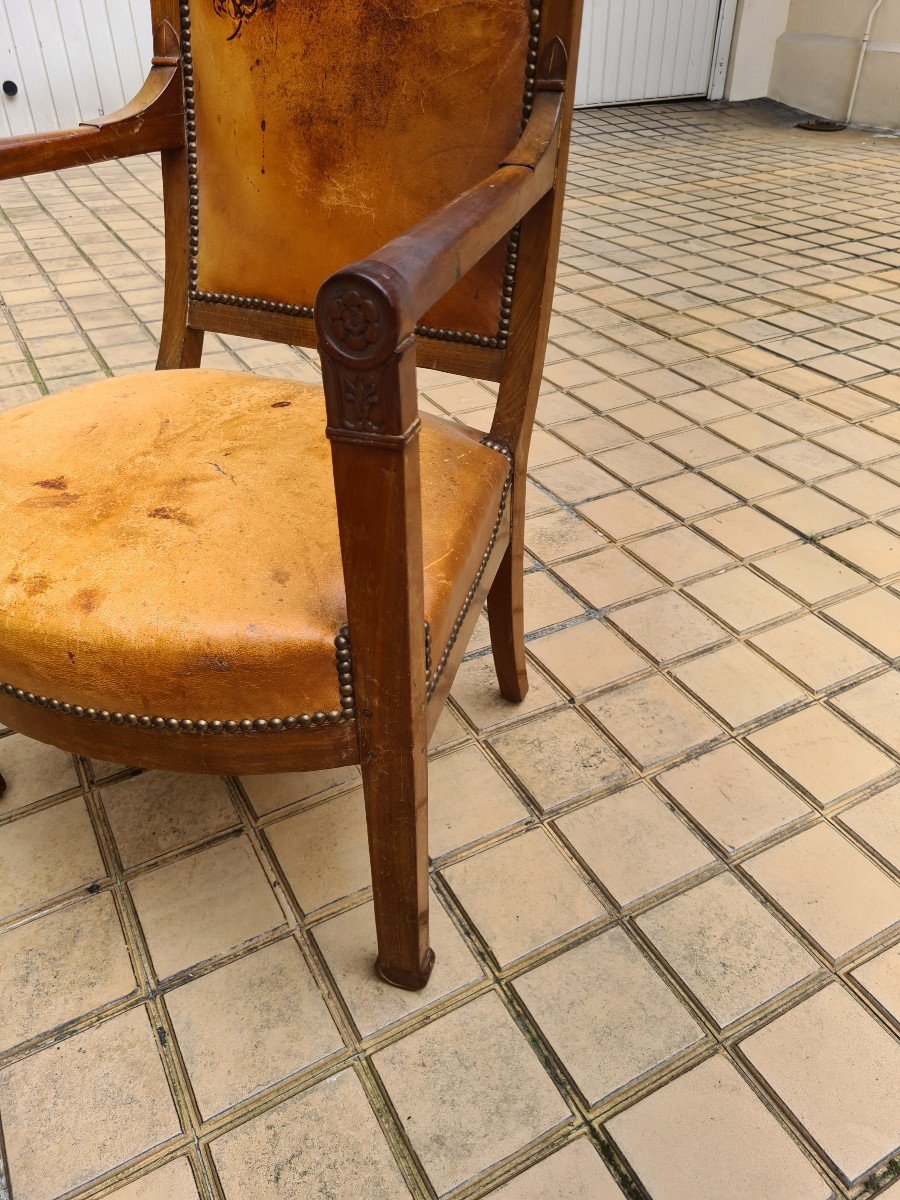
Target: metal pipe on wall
{"x": 862, "y": 55}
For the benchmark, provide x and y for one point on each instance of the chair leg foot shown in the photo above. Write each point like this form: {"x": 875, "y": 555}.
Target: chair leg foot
{"x": 410, "y": 981}
{"x": 506, "y": 617}
{"x": 2, "y": 785}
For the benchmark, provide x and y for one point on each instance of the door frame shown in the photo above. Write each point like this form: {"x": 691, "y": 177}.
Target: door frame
{"x": 722, "y": 49}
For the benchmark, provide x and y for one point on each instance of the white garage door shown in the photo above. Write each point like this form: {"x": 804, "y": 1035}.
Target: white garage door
{"x": 633, "y": 50}
{"x": 62, "y": 74}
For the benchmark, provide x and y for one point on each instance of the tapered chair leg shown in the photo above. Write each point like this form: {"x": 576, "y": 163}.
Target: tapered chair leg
{"x": 506, "y": 617}
{"x": 2, "y": 785}
{"x": 396, "y": 793}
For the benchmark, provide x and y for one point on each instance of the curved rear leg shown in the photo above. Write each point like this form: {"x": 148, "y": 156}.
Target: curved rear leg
{"x": 506, "y": 617}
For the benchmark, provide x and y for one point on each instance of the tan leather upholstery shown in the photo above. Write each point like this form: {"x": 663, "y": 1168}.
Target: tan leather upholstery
{"x": 170, "y": 546}
{"x": 327, "y": 127}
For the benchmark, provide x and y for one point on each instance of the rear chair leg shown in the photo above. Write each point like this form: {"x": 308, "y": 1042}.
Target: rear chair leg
{"x": 506, "y": 616}
{"x": 395, "y": 784}
{"x": 2, "y": 785}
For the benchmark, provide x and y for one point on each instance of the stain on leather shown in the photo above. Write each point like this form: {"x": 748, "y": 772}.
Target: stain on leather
{"x": 55, "y": 485}
{"x": 240, "y": 11}
{"x": 163, "y": 513}
{"x": 87, "y": 599}
{"x": 37, "y": 585}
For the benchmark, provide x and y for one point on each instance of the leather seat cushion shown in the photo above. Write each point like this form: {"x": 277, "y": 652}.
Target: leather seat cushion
{"x": 170, "y": 544}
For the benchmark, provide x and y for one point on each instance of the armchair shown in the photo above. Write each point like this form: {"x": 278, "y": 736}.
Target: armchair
{"x": 192, "y": 576}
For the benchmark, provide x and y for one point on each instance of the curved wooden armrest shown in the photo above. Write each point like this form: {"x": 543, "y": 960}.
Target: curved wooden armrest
{"x": 153, "y": 120}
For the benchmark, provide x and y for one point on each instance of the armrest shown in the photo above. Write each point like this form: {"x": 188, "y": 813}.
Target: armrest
{"x": 153, "y": 120}
{"x": 409, "y": 274}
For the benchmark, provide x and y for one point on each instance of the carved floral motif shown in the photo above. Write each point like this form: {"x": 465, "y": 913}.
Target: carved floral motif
{"x": 360, "y": 398}
{"x": 354, "y": 320}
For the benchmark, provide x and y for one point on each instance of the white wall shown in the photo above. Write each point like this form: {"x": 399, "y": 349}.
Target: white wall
{"x": 758, "y": 25}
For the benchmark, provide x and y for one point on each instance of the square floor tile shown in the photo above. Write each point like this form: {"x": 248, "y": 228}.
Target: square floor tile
{"x": 576, "y": 1172}
{"x": 347, "y": 942}
{"x": 689, "y": 495}
{"x": 45, "y": 854}
{"x": 555, "y": 535}
{"x": 745, "y": 532}
{"x": 607, "y": 1013}
{"x": 728, "y": 949}
{"x": 875, "y": 706}
{"x": 33, "y": 771}
{"x": 268, "y": 793}
{"x": 85, "y": 1106}
{"x": 608, "y": 578}
{"x": 822, "y": 754}
{"x": 864, "y": 491}
{"x": 860, "y": 445}
{"x": 476, "y": 692}
{"x": 587, "y": 656}
{"x": 560, "y": 757}
{"x": 326, "y": 1138}
{"x": 638, "y": 463}
{"x": 697, "y": 447}
{"x": 836, "y": 1069}
{"x": 679, "y": 554}
{"x": 741, "y": 599}
{"x": 653, "y": 721}
{"x": 810, "y": 573}
{"x": 522, "y": 894}
{"x": 577, "y": 480}
{"x": 751, "y": 431}
{"x": 633, "y": 843}
{"x": 874, "y": 617}
{"x": 495, "y": 1097}
{"x": 625, "y": 514}
{"x": 805, "y": 460}
{"x": 808, "y": 512}
{"x": 546, "y": 603}
{"x": 324, "y": 850}
{"x": 81, "y": 944}
{"x": 204, "y": 905}
{"x": 829, "y": 888}
{"x": 250, "y": 1024}
{"x": 158, "y": 811}
{"x": 468, "y": 799}
{"x": 869, "y": 548}
{"x": 815, "y": 652}
{"x": 706, "y": 1136}
{"x": 732, "y": 796}
{"x": 748, "y": 477}
{"x": 880, "y": 976}
{"x": 667, "y": 627}
{"x": 877, "y": 822}
{"x": 738, "y": 685}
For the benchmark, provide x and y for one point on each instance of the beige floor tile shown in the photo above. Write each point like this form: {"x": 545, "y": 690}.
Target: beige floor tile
{"x": 576, "y": 1172}
{"x": 633, "y": 843}
{"x": 625, "y": 514}
{"x": 85, "y": 1106}
{"x": 750, "y": 431}
{"x": 836, "y": 1069}
{"x": 738, "y": 685}
{"x": 557, "y": 535}
{"x": 748, "y": 477}
{"x": 593, "y": 433}
{"x": 875, "y": 706}
{"x": 157, "y": 812}
{"x": 802, "y": 417}
{"x": 696, "y": 447}
{"x": 608, "y": 578}
{"x": 324, "y": 851}
{"x": 608, "y": 394}
{"x": 745, "y": 532}
{"x": 174, "y": 1181}
{"x": 560, "y": 757}
{"x": 653, "y": 721}
{"x": 815, "y": 652}
{"x": 347, "y": 943}
{"x": 810, "y": 573}
{"x": 667, "y": 627}
{"x": 577, "y": 480}
{"x": 679, "y": 554}
{"x": 829, "y": 887}
{"x": 689, "y": 495}
{"x": 650, "y": 420}
{"x": 494, "y": 1095}
{"x": 607, "y": 1013}
{"x": 468, "y": 799}
{"x": 727, "y": 948}
{"x": 332, "y": 1126}
{"x": 250, "y": 1024}
{"x": 268, "y": 793}
{"x": 741, "y": 599}
{"x": 732, "y": 796}
{"x": 860, "y": 445}
{"x": 81, "y": 944}
{"x": 475, "y": 691}
{"x": 706, "y": 1136}
{"x": 877, "y": 822}
{"x": 204, "y": 905}
{"x": 546, "y": 603}
{"x": 808, "y": 512}
{"x": 805, "y": 460}
{"x": 864, "y": 491}
{"x": 46, "y": 854}
{"x": 869, "y": 548}
{"x": 880, "y": 976}
{"x": 522, "y": 894}
{"x": 638, "y": 463}
{"x": 822, "y": 754}
{"x": 33, "y": 771}
{"x": 587, "y": 656}
{"x": 874, "y": 617}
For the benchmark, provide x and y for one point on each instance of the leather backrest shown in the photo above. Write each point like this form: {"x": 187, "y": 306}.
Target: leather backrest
{"x": 320, "y": 129}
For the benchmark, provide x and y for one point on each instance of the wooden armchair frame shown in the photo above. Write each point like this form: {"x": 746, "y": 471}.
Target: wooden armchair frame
{"x": 365, "y": 327}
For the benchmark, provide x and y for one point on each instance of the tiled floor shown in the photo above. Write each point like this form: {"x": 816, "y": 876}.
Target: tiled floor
{"x": 666, "y": 899}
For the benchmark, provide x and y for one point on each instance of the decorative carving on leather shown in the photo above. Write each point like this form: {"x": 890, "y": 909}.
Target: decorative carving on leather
{"x": 240, "y": 11}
